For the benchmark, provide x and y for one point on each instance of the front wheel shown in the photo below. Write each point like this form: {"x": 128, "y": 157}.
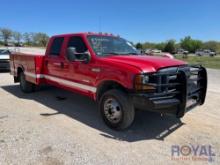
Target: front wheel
{"x": 116, "y": 109}
{"x": 25, "y": 86}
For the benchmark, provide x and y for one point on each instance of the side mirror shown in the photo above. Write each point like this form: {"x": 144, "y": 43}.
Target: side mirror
{"x": 86, "y": 57}
{"x": 70, "y": 54}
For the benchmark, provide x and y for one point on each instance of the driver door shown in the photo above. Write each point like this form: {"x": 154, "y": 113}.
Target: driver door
{"x": 80, "y": 73}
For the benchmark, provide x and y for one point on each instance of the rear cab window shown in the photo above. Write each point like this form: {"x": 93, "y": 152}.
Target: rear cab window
{"x": 56, "y": 46}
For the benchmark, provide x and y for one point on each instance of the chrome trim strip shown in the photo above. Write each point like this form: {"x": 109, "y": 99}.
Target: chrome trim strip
{"x": 34, "y": 75}
{"x": 71, "y": 84}
{"x": 63, "y": 81}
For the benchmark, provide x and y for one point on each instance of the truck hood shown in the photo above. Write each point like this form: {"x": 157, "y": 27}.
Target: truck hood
{"x": 146, "y": 63}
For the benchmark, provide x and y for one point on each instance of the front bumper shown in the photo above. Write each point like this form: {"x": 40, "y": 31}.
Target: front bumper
{"x": 188, "y": 91}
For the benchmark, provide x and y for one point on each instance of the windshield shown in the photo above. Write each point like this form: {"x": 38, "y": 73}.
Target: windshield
{"x": 110, "y": 45}
{"x": 3, "y": 52}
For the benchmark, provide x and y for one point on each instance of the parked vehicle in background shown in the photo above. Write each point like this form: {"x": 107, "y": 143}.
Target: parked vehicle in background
{"x": 156, "y": 51}
{"x": 152, "y": 51}
{"x": 18, "y": 44}
{"x": 182, "y": 51}
{"x": 205, "y": 52}
{"x": 110, "y": 70}
{"x": 4, "y": 59}
{"x": 148, "y": 51}
{"x": 10, "y": 44}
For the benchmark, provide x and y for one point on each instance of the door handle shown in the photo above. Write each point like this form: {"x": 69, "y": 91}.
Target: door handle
{"x": 46, "y": 62}
{"x": 62, "y": 65}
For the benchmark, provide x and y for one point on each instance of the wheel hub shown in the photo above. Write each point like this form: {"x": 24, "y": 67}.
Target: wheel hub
{"x": 112, "y": 110}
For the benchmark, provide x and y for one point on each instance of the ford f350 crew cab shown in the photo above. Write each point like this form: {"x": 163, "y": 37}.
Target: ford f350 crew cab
{"x": 110, "y": 70}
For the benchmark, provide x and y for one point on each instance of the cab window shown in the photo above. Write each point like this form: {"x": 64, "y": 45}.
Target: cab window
{"x": 56, "y": 46}
{"x": 78, "y": 43}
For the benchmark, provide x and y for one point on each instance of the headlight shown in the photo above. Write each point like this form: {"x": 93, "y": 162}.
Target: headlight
{"x": 145, "y": 79}
{"x": 141, "y": 83}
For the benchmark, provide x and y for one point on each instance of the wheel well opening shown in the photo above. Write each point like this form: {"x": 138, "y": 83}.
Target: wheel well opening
{"x": 108, "y": 85}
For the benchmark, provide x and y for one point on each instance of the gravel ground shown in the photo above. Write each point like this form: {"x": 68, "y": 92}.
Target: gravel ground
{"x": 55, "y": 127}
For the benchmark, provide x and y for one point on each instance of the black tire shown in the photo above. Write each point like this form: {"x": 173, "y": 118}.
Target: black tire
{"x": 25, "y": 86}
{"x": 126, "y": 107}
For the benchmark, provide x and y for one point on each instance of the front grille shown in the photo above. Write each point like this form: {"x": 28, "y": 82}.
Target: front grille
{"x": 4, "y": 61}
{"x": 185, "y": 83}
{"x": 171, "y": 80}
{"x": 166, "y": 82}
{"x": 4, "y": 64}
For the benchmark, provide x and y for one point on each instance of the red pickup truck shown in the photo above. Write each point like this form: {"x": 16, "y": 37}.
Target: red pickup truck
{"x": 111, "y": 71}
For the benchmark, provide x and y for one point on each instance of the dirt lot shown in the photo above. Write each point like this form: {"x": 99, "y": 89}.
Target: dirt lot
{"x": 53, "y": 126}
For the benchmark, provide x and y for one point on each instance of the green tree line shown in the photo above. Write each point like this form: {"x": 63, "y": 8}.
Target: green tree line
{"x": 186, "y": 43}
{"x": 8, "y": 36}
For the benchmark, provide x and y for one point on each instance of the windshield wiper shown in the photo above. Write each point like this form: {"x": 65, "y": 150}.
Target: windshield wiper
{"x": 109, "y": 53}
{"x": 130, "y": 53}
{"x": 114, "y": 53}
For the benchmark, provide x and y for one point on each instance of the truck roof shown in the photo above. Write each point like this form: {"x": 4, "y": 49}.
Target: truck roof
{"x": 85, "y": 34}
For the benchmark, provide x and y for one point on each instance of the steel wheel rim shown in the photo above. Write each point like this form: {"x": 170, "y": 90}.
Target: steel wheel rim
{"x": 112, "y": 110}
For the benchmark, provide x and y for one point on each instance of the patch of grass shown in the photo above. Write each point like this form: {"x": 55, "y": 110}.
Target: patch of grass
{"x": 208, "y": 62}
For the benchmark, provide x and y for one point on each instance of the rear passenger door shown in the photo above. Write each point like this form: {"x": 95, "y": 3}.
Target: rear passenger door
{"x": 55, "y": 66}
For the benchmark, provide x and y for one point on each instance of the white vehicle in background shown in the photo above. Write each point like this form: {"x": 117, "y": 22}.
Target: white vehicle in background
{"x": 147, "y": 51}
{"x": 4, "y": 59}
{"x": 182, "y": 51}
{"x": 205, "y": 52}
{"x": 156, "y": 51}
{"x": 152, "y": 51}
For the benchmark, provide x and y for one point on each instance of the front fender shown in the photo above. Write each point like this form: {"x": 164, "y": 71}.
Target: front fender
{"x": 119, "y": 77}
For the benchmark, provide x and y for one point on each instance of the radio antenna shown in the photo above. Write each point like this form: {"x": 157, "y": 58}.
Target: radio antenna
{"x": 100, "y": 31}
{"x": 100, "y": 24}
